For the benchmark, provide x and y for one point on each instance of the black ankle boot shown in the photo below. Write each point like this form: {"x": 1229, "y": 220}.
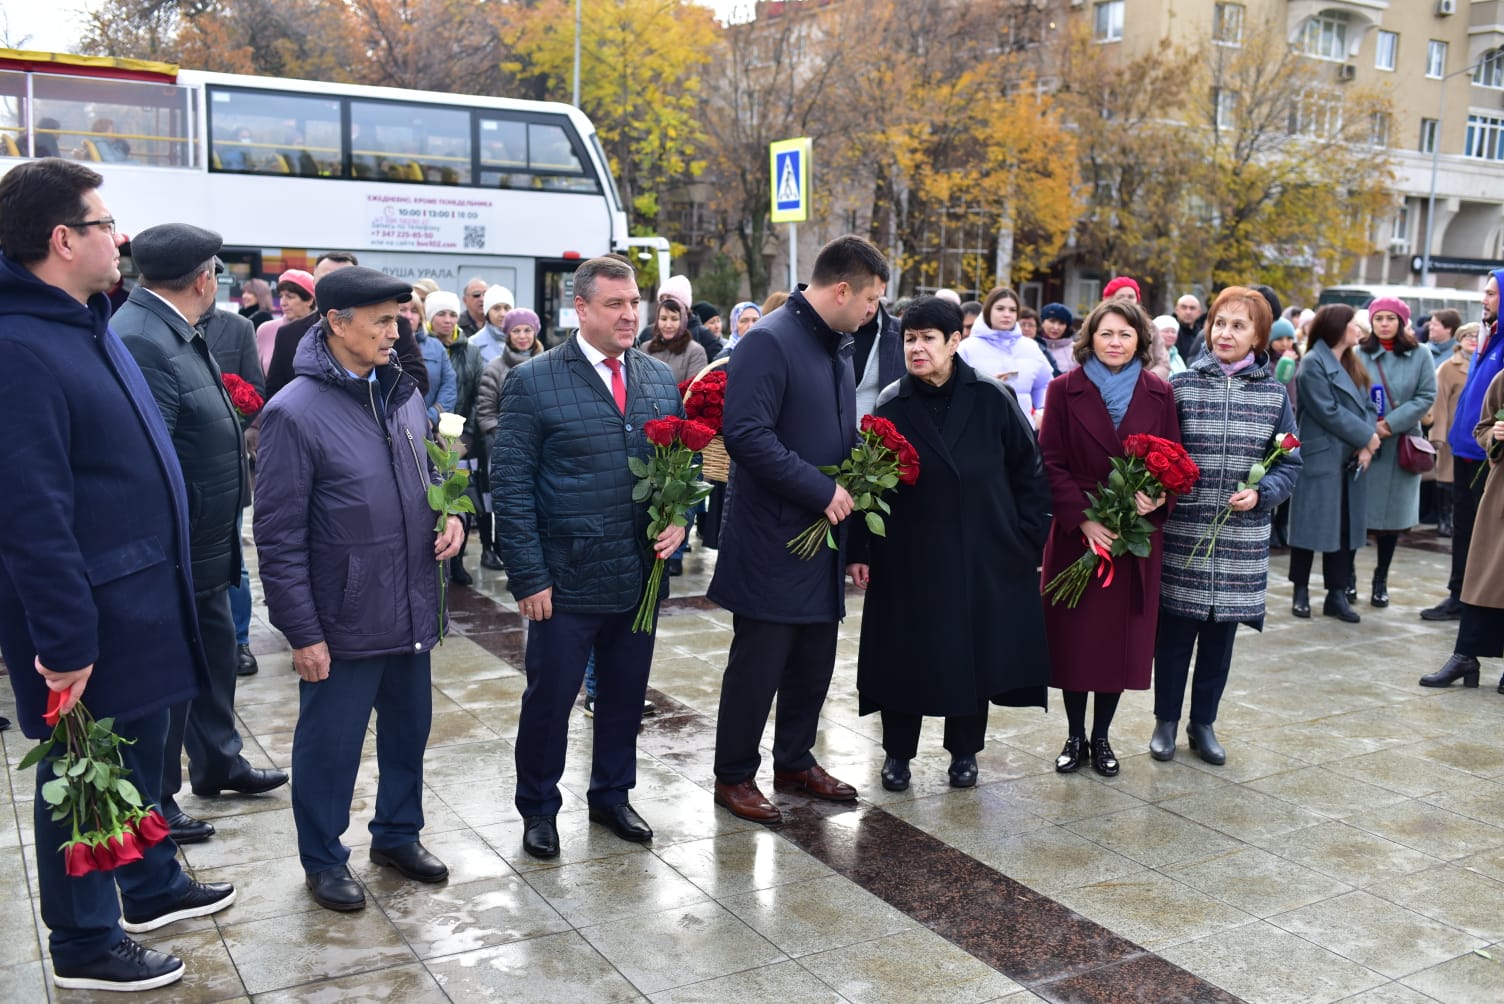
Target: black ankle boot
{"x": 1301, "y": 606}
{"x": 1351, "y": 592}
{"x": 1458, "y": 667}
{"x": 1380, "y": 595}
{"x": 1337, "y": 605}
{"x": 457, "y": 573}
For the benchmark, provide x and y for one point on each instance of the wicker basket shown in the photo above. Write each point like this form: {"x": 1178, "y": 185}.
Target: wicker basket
{"x": 715, "y": 464}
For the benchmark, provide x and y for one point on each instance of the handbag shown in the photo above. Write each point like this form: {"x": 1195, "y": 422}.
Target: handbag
{"x": 1415, "y": 454}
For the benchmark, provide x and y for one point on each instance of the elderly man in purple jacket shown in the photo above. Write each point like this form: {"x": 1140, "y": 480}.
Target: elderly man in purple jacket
{"x": 349, "y": 565}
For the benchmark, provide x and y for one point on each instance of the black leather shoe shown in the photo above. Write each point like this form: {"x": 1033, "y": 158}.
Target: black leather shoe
{"x": 4, "y": 723}
{"x": 1500, "y": 687}
{"x": 457, "y": 573}
{"x": 127, "y": 966}
{"x": 1351, "y": 592}
{"x": 336, "y": 889}
{"x": 1103, "y": 760}
{"x": 1301, "y": 605}
{"x": 896, "y": 774}
{"x": 1339, "y": 606}
{"x": 1449, "y": 609}
{"x": 676, "y": 566}
{"x": 963, "y": 772}
{"x": 413, "y": 860}
{"x": 489, "y": 559}
{"x": 1458, "y": 667}
{"x": 1073, "y": 755}
{"x": 185, "y": 829}
{"x": 247, "y": 780}
{"x": 199, "y": 900}
{"x": 1204, "y": 743}
{"x": 1162, "y": 743}
{"x": 245, "y": 662}
{"x": 540, "y": 837}
{"x": 623, "y": 821}
{"x": 1380, "y": 595}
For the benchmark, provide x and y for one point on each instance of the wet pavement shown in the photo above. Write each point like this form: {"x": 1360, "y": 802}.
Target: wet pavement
{"x": 1351, "y": 849}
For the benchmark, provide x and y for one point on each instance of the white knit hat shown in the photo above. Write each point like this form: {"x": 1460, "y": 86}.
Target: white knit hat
{"x": 495, "y": 295}
{"x": 442, "y": 300}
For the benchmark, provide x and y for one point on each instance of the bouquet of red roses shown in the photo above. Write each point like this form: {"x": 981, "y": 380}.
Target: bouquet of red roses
{"x": 669, "y": 482}
{"x": 110, "y": 825}
{"x": 1150, "y": 465}
{"x": 705, "y": 399}
{"x": 1279, "y": 449}
{"x": 881, "y": 460}
{"x": 242, "y": 395}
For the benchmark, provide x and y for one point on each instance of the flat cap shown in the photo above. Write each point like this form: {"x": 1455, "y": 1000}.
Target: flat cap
{"x": 358, "y": 286}
{"x": 170, "y": 250}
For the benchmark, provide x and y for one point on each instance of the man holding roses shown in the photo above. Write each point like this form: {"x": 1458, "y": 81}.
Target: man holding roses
{"x": 576, "y": 547}
{"x": 790, "y": 410}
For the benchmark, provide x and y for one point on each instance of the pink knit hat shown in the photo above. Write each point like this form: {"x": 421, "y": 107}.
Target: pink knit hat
{"x": 1392, "y": 304}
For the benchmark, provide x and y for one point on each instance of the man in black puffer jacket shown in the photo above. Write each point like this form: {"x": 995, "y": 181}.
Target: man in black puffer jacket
{"x": 575, "y": 545}
{"x": 178, "y": 265}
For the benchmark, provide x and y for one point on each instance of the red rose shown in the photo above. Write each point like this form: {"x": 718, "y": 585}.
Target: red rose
{"x": 104, "y": 858}
{"x": 908, "y": 464}
{"x": 1289, "y": 442}
{"x": 242, "y": 395}
{"x": 123, "y": 846}
{"x": 696, "y": 435}
{"x": 54, "y": 704}
{"x": 152, "y": 828}
{"x": 78, "y": 859}
{"x": 1137, "y": 445}
{"x": 1158, "y": 464}
{"x": 661, "y": 431}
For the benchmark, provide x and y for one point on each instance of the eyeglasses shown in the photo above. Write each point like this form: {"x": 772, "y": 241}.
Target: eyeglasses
{"x": 107, "y": 224}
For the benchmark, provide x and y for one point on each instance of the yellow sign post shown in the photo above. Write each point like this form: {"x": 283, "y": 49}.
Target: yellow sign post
{"x": 789, "y": 160}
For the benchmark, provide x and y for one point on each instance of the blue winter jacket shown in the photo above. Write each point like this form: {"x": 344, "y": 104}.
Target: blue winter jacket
{"x": 1486, "y": 365}
{"x": 560, "y": 485}
{"x": 94, "y": 552}
{"x": 344, "y": 532}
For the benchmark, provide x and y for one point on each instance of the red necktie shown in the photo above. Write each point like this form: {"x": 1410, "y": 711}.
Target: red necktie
{"x": 618, "y": 385}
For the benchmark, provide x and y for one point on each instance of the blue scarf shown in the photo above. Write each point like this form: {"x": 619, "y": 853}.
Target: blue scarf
{"x": 1116, "y": 388}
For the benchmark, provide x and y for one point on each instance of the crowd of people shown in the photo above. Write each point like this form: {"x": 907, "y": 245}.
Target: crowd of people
{"x": 123, "y": 573}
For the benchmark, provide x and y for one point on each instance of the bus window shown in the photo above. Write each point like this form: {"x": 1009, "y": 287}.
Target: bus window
{"x": 115, "y": 120}
{"x": 13, "y": 138}
{"x": 422, "y": 143}
{"x": 549, "y": 149}
{"x": 270, "y": 132}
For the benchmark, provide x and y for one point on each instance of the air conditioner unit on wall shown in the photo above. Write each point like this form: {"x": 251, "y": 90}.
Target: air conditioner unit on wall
{"x": 1398, "y": 245}
{"x": 1347, "y": 71}
{"x": 1446, "y": 7}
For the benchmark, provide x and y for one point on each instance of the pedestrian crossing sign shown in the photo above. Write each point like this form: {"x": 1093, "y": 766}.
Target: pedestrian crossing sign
{"x": 790, "y": 164}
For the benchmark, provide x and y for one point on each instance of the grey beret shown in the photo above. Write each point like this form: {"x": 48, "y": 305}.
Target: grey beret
{"x": 170, "y": 250}
{"x": 358, "y": 286}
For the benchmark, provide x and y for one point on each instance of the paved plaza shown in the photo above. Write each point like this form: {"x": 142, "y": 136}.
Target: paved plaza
{"x": 1352, "y": 848}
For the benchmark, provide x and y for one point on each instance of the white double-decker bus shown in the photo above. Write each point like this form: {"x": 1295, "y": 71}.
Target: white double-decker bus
{"x": 415, "y": 183}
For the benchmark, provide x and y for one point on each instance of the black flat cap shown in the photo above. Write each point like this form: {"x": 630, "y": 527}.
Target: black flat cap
{"x": 170, "y": 250}
{"x": 358, "y": 286}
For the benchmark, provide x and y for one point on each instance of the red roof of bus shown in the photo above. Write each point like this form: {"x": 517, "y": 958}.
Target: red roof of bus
{"x": 88, "y": 66}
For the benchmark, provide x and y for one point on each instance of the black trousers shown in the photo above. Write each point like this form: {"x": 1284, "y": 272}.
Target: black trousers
{"x": 1465, "y": 498}
{"x": 1337, "y": 571}
{"x": 557, "y": 650}
{"x": 205, "y": 726}
{"x": 1176, "y": 638}
{"x": 793, "y": 662}
{"x": 964, "y": 734}
{"x": 1480, "y": 633}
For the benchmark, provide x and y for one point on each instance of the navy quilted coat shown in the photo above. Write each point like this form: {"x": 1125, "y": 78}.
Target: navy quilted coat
{"x": 560, "y": 485}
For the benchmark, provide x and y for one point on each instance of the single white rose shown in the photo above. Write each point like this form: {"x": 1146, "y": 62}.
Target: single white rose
{"x": 451, "y": 426}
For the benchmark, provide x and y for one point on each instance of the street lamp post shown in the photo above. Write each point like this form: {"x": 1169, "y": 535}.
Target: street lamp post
{"x": 1441, "y": 108}
{"x": 577, "y": 56}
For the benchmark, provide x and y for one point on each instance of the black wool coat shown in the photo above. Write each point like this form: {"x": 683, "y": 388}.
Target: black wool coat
{"x": 953, "y": 615}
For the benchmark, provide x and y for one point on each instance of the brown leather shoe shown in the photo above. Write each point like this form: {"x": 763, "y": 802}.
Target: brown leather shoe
{"x": 746, "y": 801}
{"x": 816, "y": 782}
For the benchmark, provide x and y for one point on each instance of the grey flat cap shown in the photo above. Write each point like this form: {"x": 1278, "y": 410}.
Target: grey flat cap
{"x": 170, "y": 250}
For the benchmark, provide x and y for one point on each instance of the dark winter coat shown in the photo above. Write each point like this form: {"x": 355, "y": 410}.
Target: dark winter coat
{"x": 560, "y": 485}
{"x": 205, "y": 428}
{"x": 1227, "y": 424}
{"x": 94, "y": 549}
{"x": 465, "y": 358}
{"x": 344, "y": 532}
{"x": 232, "y": 343}
{"x": 952, "y": 616}
{"x": 1336, "y": 420}
{"x": 1106, "y": 643}
{"x": 283, "y": 365}
{"x": 790, "y": 409}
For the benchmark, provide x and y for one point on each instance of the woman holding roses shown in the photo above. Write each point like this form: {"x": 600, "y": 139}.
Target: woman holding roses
{"x": 952, "y": 585}
{"x": 1232, "y": 412}
{"x": 1104, "y": 644}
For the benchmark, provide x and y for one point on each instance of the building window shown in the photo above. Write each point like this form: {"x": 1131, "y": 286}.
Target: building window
{"x": 1427, "y": 135}
{"x": 1490, "y": 70}
{"x": 1386, "y": 51}
{"x": 1316, "y": 113}
{"x": 1485, "y": 137}
{"x": 1326, "y": 35}
{"x": 1400, "y": 232}
{"x": 1378, "y": 129}
{"x": 1436, "y": 59}
{"x": 1227, "y": 24}
{"x": 1108, "y": 26}
{"x": 1226, "y": 104}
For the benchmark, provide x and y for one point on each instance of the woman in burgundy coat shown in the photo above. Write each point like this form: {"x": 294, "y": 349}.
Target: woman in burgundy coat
{"x": 1106, "y": 643}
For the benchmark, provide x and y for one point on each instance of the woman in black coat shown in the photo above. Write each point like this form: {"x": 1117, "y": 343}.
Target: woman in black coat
{"x": 953, "y": 619}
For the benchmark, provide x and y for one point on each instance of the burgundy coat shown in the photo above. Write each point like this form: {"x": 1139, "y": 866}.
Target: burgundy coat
{"x": 1106, "y": 643}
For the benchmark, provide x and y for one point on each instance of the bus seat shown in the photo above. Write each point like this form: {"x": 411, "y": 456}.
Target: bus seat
{"x": 413, "y": 171}
{"x": 279, "y": 164}
{"x": 214, "y": 161}
{"x": 90, "y": 151}
{"x": 11, "y": 149}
